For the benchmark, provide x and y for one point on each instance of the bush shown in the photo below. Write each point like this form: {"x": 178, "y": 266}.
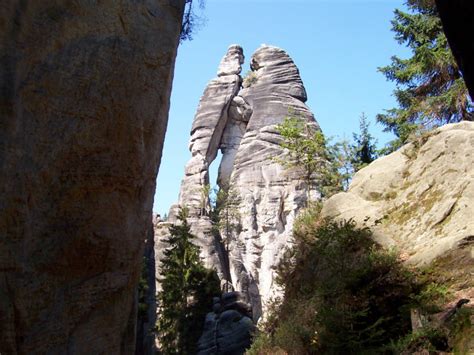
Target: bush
{"x": 250, "y": 78}
{"x": 343, "y": 293}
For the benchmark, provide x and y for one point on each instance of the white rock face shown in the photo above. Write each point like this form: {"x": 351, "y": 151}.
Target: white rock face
{"x": 419, "y": 199}
{"x": 242, "y": 123}
{"x": 270, "y": 195}
{"x": 206, "y": 136}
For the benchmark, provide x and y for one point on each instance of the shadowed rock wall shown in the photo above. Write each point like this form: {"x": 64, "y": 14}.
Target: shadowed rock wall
{"x": 85, "y": 90}
{"x": 458, "y": 24}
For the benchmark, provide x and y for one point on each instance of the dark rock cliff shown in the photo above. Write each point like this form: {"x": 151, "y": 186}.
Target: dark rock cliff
{"x": 457, "y": 17}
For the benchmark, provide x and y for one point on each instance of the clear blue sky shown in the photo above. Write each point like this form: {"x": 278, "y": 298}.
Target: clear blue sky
{"x": 336, "y": 44}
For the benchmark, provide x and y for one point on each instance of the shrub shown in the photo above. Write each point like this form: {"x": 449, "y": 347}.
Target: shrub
{"x": 342, "y": 292}
{"x": 250, "y": 78}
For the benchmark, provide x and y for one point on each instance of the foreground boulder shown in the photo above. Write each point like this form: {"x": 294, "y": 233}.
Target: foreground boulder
{"x": 419, "y": 199}
{"x": 228, "y": 329}
{"x": 84, "y": 105}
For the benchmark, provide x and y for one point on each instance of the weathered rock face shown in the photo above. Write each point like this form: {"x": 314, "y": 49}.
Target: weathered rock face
{"x": 270, "y": 196}
{"x": 206, "y": 135}
{"x": 419, "y": 199}
{"x": 228, "y": 329}
{"x": 85, "y": 97}
{"x": 208, "y": 127}
{"x": 146, "y": 320}
{"x": 242, "y": 123}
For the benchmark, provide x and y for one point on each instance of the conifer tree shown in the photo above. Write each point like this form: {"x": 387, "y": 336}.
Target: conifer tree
{"x": 309, "y": 151}
{"x": 430, "y": 89}
{"x": 187, "y": 291}
{"x": 364, "y": 149}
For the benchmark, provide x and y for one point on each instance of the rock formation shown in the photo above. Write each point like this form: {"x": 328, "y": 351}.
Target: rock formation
{"x": 241, "y": 122}
{"x": 270, "y": 196}
{"x": 419, "y": 198}
{"x": 84, "y": 105}
{"x": 228, "y": 329}
{"x": 456, "y": 16}
{"x": 206, "y": 134}
{"x": 146, "y": 320}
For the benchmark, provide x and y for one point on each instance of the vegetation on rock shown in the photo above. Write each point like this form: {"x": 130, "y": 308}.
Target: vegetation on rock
{"x": 309, "y": 151}
{"x": 343, "y": 294}
{"x": 363, "y": 150}
{"x": 190, "y": 19}
{"x": 249, "y": 79}
{"x": 187, "y": 292}
{"x": 225, "y": 212}
{"x": 328, "y": 166}
{"x": 430, "y": 89}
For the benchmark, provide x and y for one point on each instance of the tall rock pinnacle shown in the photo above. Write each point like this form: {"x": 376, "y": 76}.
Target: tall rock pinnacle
{"x": 269, "y": 195}
{"x": 206, "y": 135}
{"x": 241, "y": 120}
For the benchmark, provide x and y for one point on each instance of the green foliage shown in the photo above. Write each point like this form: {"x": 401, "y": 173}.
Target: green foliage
{"x": 430, "y": 90}
{"x": 250, "y": 78}
{"x": 364, "y": 149}
{"x": 343, "y": 161}
{"x": 343, "y": 294}
{"x": 205, "y": 200}
{"x": 309, "y": 151}
{"x": 225, "y": 212}
{"x": 432, "y": 297}
{"x": 461, "y": 331}
{"x": 422, "y": 340}
{"x": 190, "y": 19}
{"x": 187, "y": 291}
{"x": 143, "y": 290}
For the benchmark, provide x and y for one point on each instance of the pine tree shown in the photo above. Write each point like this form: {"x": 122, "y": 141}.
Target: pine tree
{"x": 344, "y": 156}
{"x": 187, "y": 291}
{"x": 309, "y": 151}
{"x": 430, "y": 89}
{"x": 364, "y": 149}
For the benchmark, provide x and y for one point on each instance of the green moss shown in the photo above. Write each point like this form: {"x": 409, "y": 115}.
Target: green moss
{"x": 390, "y": 195}
{"x": 423, "y": 204}
{"x": 462, "y": 332}
{"x": 454, "y": 269}
{"x": 375, "y": 196}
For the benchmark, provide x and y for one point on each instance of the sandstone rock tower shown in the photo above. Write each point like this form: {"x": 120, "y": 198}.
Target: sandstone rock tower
{"x": 239, "y": 117}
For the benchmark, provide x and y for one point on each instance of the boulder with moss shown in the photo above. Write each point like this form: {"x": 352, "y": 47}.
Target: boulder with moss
{"x": 419, "y": 200}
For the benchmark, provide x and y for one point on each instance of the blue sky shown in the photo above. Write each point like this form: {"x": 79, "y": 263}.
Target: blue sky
{"x": 336, "y": 44}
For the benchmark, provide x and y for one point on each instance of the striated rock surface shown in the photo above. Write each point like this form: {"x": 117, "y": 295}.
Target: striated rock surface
{"x": 206, "y": 135}
{"x": 207, "y": 129}
{"x": 241, "y": 122}
{"x": 84, "y": 105}
{"x": 269, "y": 194}
{"x": 420, "y": 198}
